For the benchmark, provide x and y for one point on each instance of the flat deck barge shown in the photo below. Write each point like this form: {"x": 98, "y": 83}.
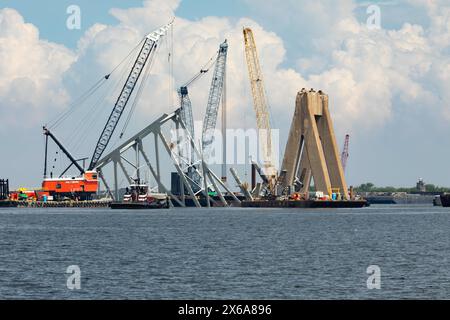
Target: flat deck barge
{"x": 8, "y": 204}
{"x": 137, "y": 205}
{"x": 304, "y": 204}
{"x": 60, "y": 204}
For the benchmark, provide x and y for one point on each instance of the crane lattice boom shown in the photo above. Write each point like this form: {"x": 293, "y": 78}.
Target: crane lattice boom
{"x": 344, "y": 154}
{"x": 259, "y": 99}
{"x": 147, "y": 49}
{"x": 186, "y": 110}
{"x": 185, "y": 102}
{"x": 215, "y": 94}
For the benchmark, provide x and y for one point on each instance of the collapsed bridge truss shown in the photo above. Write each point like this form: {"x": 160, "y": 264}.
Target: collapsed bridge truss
{"x": 147, "y": 150}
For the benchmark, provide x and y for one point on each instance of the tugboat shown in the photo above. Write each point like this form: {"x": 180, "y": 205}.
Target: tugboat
{"x": 139, "y": 196}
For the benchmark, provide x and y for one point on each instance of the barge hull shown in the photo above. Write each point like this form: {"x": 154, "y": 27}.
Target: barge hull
{"x": 60, "y": 204}
{"x": 304, "y": 204}
{"x": 8, "y": 204}
{"x": 139, "y": 206}
{"x": 445, "y": 199}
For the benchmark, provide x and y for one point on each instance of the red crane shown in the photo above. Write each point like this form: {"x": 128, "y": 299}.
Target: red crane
{"x": 344, "y": 154}
{"x": 86, "y": 184}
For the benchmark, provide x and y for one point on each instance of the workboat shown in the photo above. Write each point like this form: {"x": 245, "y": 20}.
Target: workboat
{"x": 139, "y": 196}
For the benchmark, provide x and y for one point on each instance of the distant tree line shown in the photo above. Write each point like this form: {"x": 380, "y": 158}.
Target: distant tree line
{"x": 370, "y": 187}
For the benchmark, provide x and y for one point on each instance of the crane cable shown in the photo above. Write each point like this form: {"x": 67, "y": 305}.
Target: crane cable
{"x": 78, "y": 102}
{"x": 139, "y": 91}
{"x": 245, "y": 90}
{"x": 204, "y": 69}
{"x": 86, "y": 125}
{"x": 170, "y": 61}
{"x": 95, "y": 111}
{"x": 143, "y": 83}
{"x": 81, "y": 99}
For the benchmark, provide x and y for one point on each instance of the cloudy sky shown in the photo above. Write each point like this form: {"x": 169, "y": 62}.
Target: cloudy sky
{"x": 389, "y": 87}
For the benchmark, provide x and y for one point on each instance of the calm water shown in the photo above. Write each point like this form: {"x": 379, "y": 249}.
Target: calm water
{"x": 220, "y": 253}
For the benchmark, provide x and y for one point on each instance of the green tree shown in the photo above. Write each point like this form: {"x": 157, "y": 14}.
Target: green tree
{"x": 365, "y": 187}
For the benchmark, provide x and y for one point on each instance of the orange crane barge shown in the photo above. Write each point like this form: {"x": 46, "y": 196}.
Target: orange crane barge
{"x": 85, "y": 185}
{"x": 80, "y": 187}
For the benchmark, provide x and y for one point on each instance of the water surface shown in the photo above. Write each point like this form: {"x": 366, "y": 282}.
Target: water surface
{"x": 226, "y": 253}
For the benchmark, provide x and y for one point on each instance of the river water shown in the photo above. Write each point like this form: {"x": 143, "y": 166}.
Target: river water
{"x": 226, "y": 253}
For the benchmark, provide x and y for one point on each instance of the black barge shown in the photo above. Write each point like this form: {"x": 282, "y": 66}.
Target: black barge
{"x": 304, "y": 203}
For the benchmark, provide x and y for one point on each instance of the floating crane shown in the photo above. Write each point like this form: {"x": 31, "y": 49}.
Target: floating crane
{"x": 216, "y": 95}
{"x": 260, "y": 104}
{"x": 187, "y": 154}
{"x": 82, "y": 187}
{"x": 185, "y": 102}
{"x": 85, "y": 185}
{"x": 344, "y": 154}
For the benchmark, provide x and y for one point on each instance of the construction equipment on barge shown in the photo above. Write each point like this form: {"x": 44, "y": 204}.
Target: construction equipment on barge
{"x": 311, "y": 154}
{"x": 80, "y": 187}
{"x": 85, "y": 185}
{"x": 261, "y": 108}
{"x": 216, "y": 95}
{"x": 311, "y": 151}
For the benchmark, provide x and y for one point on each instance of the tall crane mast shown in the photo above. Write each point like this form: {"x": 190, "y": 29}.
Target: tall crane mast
{"x": 259, "y": 101}
{"x": 344, "y": 154}
{"x": 186, "y": 109}
{"x": 147, "y": 50}
{"x": 185, "y": 101}
{"x": 188, "y": 119}
{"x": 215, "y": 95}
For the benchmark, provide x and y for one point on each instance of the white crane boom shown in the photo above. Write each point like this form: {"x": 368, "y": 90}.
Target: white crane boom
{"x": 147, "y": 49}
{"x": 215, "y": 95}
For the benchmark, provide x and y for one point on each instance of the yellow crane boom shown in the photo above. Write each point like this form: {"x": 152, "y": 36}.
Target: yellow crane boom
{"x": 259, "y": 101}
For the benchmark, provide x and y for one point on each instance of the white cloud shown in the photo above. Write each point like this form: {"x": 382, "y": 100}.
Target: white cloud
{"x": 371, "y": 76}
{"x": 366, "y": 72}
{"x": 102, "y": 47}
{"x": 31, "y": 70}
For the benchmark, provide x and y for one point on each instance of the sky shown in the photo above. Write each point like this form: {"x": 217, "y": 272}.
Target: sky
{"x": 388, "y": 85}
